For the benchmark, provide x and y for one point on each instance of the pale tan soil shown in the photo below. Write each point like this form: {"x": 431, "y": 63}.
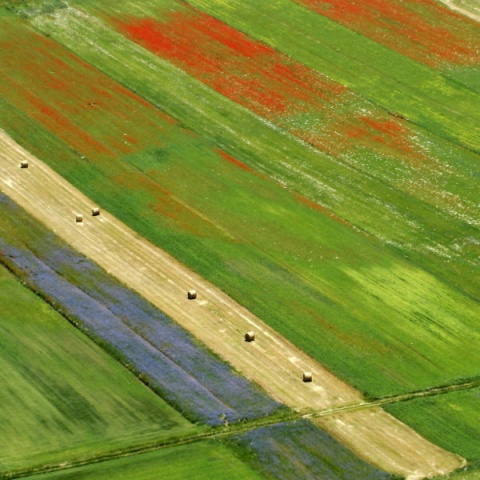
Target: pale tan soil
{"x": 468, "y": 8}
{"x": 270, "y": 361}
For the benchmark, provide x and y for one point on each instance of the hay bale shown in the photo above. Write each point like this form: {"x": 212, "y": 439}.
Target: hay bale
{"x": 23, "y": 164}
{"x": 191, "y": 294}
{"x": 250, "y": 336}
{"x": 307, "y": 376}
{"x": 79, "y": 218}
{"x": 95, "y": 212}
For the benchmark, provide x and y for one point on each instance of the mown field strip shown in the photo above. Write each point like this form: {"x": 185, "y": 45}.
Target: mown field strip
{"x": 214, "y": 318}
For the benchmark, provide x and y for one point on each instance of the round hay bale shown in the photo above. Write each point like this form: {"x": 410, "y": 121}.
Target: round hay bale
{"x": 79, "y": 218}
{"x": 307, "y": 376}
{"x": 95, "y": 212}
{"x": 23, "y": 164}
{"x": 191, "y": 294}
{"x": 250, "y": 336}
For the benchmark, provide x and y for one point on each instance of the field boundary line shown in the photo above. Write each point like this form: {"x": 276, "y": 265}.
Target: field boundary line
{"x": 240, "y": 428}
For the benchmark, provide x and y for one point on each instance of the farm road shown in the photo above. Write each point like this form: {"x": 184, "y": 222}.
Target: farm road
{"x": 270, "y": 361}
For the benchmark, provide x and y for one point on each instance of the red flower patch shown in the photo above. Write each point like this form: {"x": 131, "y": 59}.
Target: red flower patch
{"x": 76, "y": 102}
{"x": 423, "y": 30}
{"x": 52, "y": 119}
{"x": 267, "y": 82}
{"x": 227, "y": 60}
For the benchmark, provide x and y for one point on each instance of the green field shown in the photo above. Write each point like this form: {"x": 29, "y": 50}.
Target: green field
{"x": 62, "y": 397}
{"x": 391, "y": 80}
{"x": 365, "y": 258}
{"x": 436, "y": 236}
{"x": 397, "y": 324}
{"x": 198, "y": 461}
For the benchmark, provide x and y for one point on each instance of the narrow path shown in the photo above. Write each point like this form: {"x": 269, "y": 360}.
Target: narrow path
{"x": 271, "y": 361}
{"x": 244, "y": 427}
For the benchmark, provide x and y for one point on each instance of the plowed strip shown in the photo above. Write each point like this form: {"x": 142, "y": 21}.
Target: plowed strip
{"x": 215, "y": 318}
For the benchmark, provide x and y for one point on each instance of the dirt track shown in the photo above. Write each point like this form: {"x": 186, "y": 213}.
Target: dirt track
{"x": 270, "y": 361}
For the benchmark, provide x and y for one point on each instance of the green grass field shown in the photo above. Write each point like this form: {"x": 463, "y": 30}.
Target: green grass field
{"x": 428, "y": 234}
{"x": 198, "y": 461}
{"x": 62, "y": 397}
{"x": 369, "y": 266}
{"x": 222, "y": 223}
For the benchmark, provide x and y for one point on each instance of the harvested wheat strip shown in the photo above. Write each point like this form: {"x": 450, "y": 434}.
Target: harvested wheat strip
{"x": 213, "y": 317}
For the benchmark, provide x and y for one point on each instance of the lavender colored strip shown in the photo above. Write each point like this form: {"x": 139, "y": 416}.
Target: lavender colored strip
{"x": 199, "y": 384}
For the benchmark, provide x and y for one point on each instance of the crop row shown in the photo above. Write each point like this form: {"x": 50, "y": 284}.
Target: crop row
{"x": 427, "y": 32}
{"x": 302, "y": 101}
{"x": 442, "y": 106}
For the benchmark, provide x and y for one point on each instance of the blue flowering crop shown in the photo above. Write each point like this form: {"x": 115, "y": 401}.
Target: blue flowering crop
{"x": 162, "y": 353}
